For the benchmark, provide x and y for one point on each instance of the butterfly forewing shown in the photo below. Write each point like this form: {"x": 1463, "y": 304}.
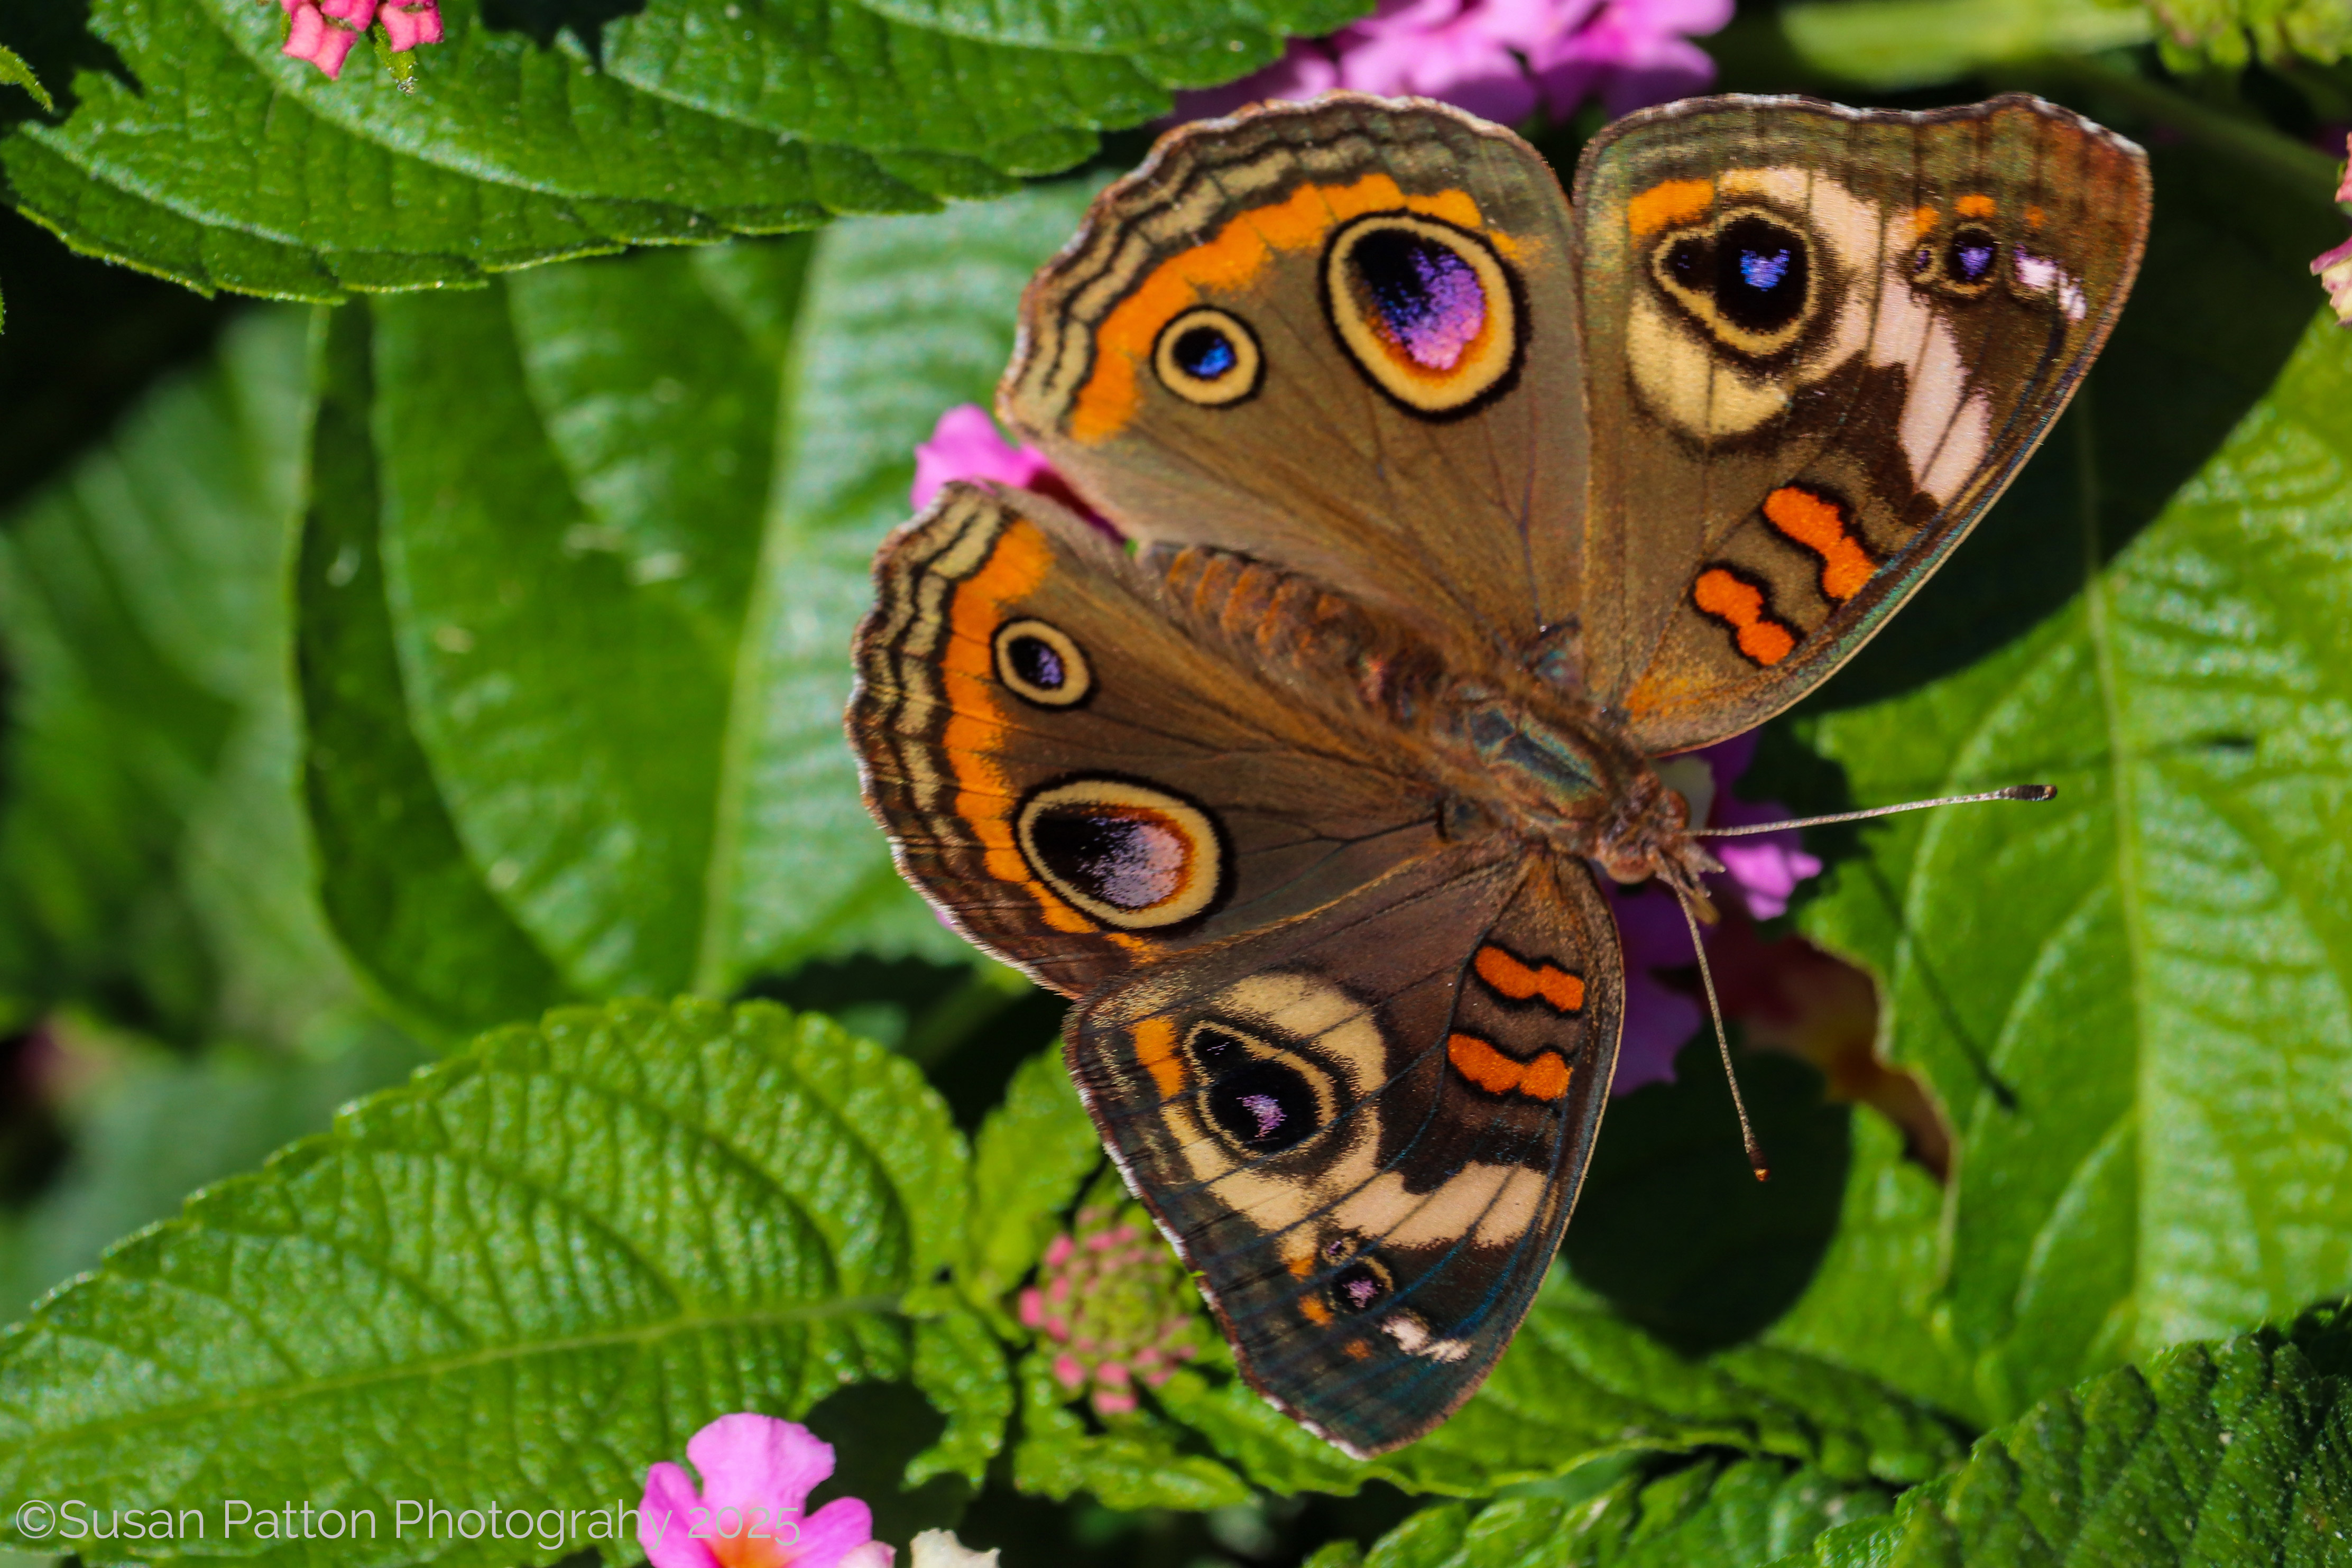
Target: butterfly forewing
{"x": 1338, "y": 335}
{"x": 1819, "y": 343}
{"x": 1075, "y": 780}
{"x": 1365, "y": 1130}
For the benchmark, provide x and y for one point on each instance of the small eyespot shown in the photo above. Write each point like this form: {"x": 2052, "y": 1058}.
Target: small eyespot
{"x": 1360, "y": 1287}
{"x": 1041, "y": 665}
{"x": 1206, "y": 356}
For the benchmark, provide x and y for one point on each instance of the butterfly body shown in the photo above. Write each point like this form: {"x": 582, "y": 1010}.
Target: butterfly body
{"x": 1437, "y": 512}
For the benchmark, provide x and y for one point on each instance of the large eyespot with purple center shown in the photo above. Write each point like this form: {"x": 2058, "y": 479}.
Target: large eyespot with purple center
{"x": 1130, "y": 855}
{"x": 1041, "y": 664}
{"x": 1209, "y": 357}
{"x": 1750, "y": 276}
{"x": 1428, "y": 311}
{"x": 1258, "y": 1097}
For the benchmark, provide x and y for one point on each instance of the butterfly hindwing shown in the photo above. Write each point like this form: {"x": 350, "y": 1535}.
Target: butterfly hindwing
{"x": 1078, "y": 781}
{"x": 1820, "y": 342}
{"x": 1365, "y": 1130}
{"x": 1338, "y": 335}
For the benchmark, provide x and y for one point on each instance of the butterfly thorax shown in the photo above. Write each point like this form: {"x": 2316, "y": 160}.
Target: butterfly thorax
{"x": 1551, "y": 772}
{"x": 1500, "y": 748}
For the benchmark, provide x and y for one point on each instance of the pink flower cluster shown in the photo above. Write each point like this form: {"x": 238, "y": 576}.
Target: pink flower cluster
{"x": 1111, "y": 1302}
{"x": 1499, "y": 58}
{"x": 2334, "y": 267}
{"x": 323, "y": 31}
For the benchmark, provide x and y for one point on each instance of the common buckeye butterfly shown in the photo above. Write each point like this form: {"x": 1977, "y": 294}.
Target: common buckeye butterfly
{"x": 1437, "y": 511}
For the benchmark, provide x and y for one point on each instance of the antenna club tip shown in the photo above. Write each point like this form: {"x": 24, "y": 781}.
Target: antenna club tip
{"x": 1763, "y": 1174}
{"x": 2031, "y": 792}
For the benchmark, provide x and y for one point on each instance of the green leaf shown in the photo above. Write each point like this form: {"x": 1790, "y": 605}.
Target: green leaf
{"x": 15, "y": 72}
{"x": 568, "y": 657}
{"x": 620, "y": 630}
{"x": 2231, "y": 32}
{"x": 1135, "y": 1464}
{"x": 395, "y": 884}
{"x": 891, "y": 340}
{"x": 1725, "y": 1514}
{"x": 527, "y": 1274}
{"x": 2130, "y": 1002}
{"x": 1579, "y": 1382}
{"x": 160, "y": 1126}
{"x": 150, "y": 845}
{"x": 2238, "y": 1452}
{"x": 209, "y": 156}
{"x": 1033, "y": 1152}
{"x": 1889, "y": 45}
{"x": 960, "y": 1367}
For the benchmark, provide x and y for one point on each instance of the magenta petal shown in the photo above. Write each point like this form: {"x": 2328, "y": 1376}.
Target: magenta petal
{"x": 833, "y": 1532}
{"x": 1658, "y": 1022}
{"x": 665, "y": 1517}
{"x": 311, "y": 37}
{"x": 757, "y": 1461}
{"x": 965, "y": 444}
{"x": 407, "y": 25}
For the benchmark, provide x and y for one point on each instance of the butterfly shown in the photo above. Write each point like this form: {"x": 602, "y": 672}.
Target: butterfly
{"x": 1411, "y": 515}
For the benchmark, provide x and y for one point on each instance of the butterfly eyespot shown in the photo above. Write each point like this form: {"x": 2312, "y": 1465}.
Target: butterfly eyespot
{"x": 1040, "y": 664}
{"x": 1128, "y": 854}
{"x": 1257, "y": 1100}
{"x": 1360, "y": 1287}
{"x": 1206, "y": 356}
{"x": 1969, "y": 260}
{"x": 1748, "y": 278}
{"x": 1427, "y": 311}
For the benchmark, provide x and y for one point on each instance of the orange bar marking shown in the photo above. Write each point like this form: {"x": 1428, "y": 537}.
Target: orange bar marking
{"x": 1923, "y": 221}
{"x": 1974, "y": 207}
{"x": 1670, "y": 201}
{"x": 1741, "y": 605}
{"x": 1155, "y": 1048}
{"x": 1818, "y": 523}
{"x": 1546, "y": 1077}
{"x": 1511, "y": 976}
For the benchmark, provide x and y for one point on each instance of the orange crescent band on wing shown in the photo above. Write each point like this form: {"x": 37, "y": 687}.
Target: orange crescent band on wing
{"x": 1017, "y": 561}
{"x": 1233, "y": 259}
{"x": 1513, "y": 977}
{"x": 1820, "y": 524}
{"x": 1546, "y": 1077}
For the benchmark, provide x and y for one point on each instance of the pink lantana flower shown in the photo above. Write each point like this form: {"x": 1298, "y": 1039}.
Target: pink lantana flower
{"x": 1113, "y": 1305}
{"x": 1760, "y": 874}
{"x": 2334, "y": 267}
{"x": 757, "y": 1472}
{"x": 966, "y": 445}
{"x": 323, "y": 31}
{"x": 1499, "y": 58}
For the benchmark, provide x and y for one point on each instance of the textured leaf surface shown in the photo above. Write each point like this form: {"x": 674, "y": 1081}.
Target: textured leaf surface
{"x": 903, "y": 319}
{"x": 395, "y": 883}
{"x": 2233, "y": 1453}
{"x": 204, "y": 153}
{"x": 1578, "y": 1383}
{"x": 2130, "y": 1002}
{"x": 625, "y": 512}
{"x": 161, "y": 1127}
{"x": 1032, "y": 1154}
{"x": 149, "y": 841}
{"x": 597, "y": 1234}
{"x": 1724, "y": 1514}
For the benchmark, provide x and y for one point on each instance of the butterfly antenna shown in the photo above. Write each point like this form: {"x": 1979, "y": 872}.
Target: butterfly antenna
{"x": 1723, "y": 1044}
{"x": 2014, "y": 791}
